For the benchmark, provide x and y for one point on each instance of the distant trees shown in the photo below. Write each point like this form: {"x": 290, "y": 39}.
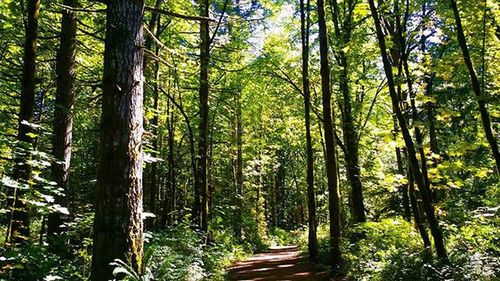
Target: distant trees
{"x": 118, "y": 229}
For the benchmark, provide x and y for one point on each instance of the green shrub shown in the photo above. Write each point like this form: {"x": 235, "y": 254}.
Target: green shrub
{"x": 181, "y": 253}
{"x": 392, "y": 250}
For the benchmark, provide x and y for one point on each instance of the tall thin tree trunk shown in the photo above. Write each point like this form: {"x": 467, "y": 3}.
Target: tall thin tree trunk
{"x": 274, "y": 202}
{"x": 153, "y": 181}
{"x": 417, "y": 216}
{"x": 343, "y": 34}
{"x": 428, "y": 80}
{"x": 476, "y": 87}
{"x": 239, "y": 167}
{"x": 202, "y": 185}
{"x": 171, "y": 166}
{"x": 210, "y": 187}
{"x": 410, "y": 146}
{"x": 404, "y": 186}
{"x": 118, "y": 228}
{"x": 153, "y": 26}
{"x": 170, "y": 192}
{"x": 312, "y": 242}
{"x": 330, "y": 156}
{"x": 352, "y": 150}
{"x": 19, "y": 230}
{"x": 63, "y": 114}
{"x": 418, "y": 134}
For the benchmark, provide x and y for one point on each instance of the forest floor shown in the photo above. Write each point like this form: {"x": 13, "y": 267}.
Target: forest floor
{"x": 277, "y": 263}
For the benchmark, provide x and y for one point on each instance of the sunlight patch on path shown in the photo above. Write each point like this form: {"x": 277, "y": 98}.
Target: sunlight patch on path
{"x": 277, "y": 264}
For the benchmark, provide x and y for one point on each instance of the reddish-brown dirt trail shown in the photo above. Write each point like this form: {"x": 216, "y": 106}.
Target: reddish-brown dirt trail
{"x": 278, "y": 263}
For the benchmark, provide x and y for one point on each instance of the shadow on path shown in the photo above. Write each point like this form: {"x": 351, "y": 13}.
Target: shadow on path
{"x": 278, "y": 263}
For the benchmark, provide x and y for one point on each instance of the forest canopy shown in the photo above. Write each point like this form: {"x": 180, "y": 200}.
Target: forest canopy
{"x": 172, "y": 140}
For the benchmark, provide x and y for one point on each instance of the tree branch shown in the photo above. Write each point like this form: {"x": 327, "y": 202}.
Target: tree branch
{"x": 176, "y": 15}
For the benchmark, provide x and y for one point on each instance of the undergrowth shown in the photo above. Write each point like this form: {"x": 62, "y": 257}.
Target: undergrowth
{"x": 392, "y": 250}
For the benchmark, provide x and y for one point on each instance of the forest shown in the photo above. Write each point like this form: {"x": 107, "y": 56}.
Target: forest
{"x": 191, "y": 140}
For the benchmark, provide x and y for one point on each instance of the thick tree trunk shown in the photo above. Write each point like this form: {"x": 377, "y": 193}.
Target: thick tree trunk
{"x": 19, "y": 230}
{"x": 118, "y": 228}
{"x": 63, "y": 114}
{"x": 410, "y": 146}
{"x": 312, "y": 242}
{"x": 201, "y": 211}
{"x": 330, "y": 156}
{"x": 476, "y": 87}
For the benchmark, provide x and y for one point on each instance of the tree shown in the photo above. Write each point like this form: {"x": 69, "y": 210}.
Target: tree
{"x": 343, "y": 29}
{"x": 63, "y": 113}
{"x": 410, "y": 146}
{"x": 238, "y": 164}
{"x": 311, "y": 197}
{"x": 154, "y": 28}
{"x": 476, "y": 87}
{"x": 331, "y": 154}
{"x": 19, "y": 230}
{"x": 201, "y": 208}
{"x": 118, "y": 229}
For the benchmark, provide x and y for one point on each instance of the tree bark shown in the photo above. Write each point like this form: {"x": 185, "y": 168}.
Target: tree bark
{"x": 476, "y": 87}
{"x": 153, "y": 181}
{"x": 404, "y": 187}
{"x": 19, "y": 230}
{"x": 418, "y": 134}
{"x": 330, "y": 156}
{"x": 171, "y": 165}
{"x": 343, "y": 34}
{"x": 417, "y": 215}
{"x": 312, "y": 242}
{"x": 239, "y": 167}
{"x": 410, "y": 146}
{"x": 118, "y": 228}
{"x": 201, "y": 210}
{"x": 63, "y": 115}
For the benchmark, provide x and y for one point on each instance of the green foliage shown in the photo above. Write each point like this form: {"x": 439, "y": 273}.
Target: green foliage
{"x": 281, "y": 237}
{"x": 255, "y": 63}
{"x": 35, "y": 262}
{"x": 392, "y": 250}
{"x": 180, "y": 253}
